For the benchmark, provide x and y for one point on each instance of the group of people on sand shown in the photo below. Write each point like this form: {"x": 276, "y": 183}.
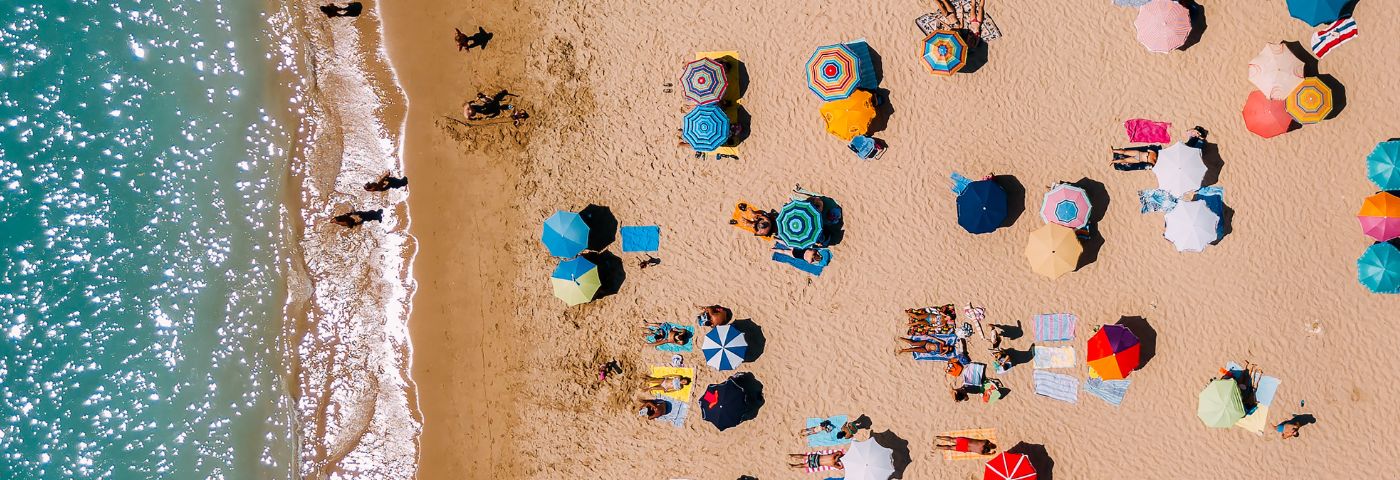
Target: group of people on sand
{"x": 832, "y": 459}
{"x": 355, "y": 218}
{"x": 925, "y": 325}
{"x": 664, "y": 333}
{"x": 486, "y": 107}
{"x": 763, "y": 223}
{"x": 949, "y": 20}
{"x": 1144, "y": 157}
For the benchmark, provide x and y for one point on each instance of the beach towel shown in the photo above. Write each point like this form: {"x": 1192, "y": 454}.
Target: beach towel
{"x": 1142, "y": 130}
{"x": 929, "y": 357}
{"x": 1054, "y": 357}
{"x": 1215, "y": 201}
{"x": 974, "y": 374}
{"x": 931, "y": 21}
{"x": 959, "y": 182}
{"x": 739, "y": 217}
{"x": 814, "y": 269}
{"x": 1333, "y": 35}
{"x": 827, "y": 439}
{"x": 977, "y": 314}
{"x": 823, "y": 468}
{"x": 1111, "y": 391}
{"x": 989, "y": 434}
{"x": 1157, "y": 200}
{"x": 677, "y": 414}
{"x": 1054, "y": 327}
{"x": 1264, "y": 393}
{"x": 671, "y": 347}
{"x": 1056, "y": 385}
{"x": 643, "y": 238}
{"x": 684, "y": 393}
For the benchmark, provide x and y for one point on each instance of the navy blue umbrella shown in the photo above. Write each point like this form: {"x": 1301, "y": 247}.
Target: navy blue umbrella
{"x": 981, "y": 207}
{"x": 727, "y": 404}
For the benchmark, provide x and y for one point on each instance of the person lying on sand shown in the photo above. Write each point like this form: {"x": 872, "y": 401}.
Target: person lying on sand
{"x": 654, "y": 408}
{"x": 934, "y": 346}
{"x": 356, "y": 218}
{"x": 666, "y": 384}
{"x": 1196, "y": 137}
{"x": 660, "y": 334}
{"x": 825, "y": 426}
{"x": 948, "y": 19}
{"x": 713, "y": 316}
{"x": 1135, "y": 158}
{"x": 809, "y": 255}
{"x": 756, "y": 220}
{"x": 803, "y": 461}
{"x": 964, "y": 445}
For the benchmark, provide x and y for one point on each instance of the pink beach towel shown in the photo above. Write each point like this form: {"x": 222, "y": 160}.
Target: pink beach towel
{"x": 1147, "y": 131}
{"x": 1054, "y": 327}
{"x": 823, "y": 468}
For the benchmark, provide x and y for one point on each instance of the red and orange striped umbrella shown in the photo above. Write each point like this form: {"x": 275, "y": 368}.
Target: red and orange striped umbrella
{"x": 1113, "y": 352}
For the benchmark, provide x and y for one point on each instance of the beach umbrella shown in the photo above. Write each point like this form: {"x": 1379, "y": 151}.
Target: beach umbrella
{"x": 1276, "y": 71}
{"x": 1310, "y": 102}
{"x": 851, "y": 116}
{"x": 1191, "y": 226}
{"x": 1220, "y": 404}
{"x": 1163, "y": 25}
{"x": 1066, "y": 205}
{"x": 1266, "y": 118}
{"x": 1053, "y": 250}
{"x": 575, "y": 281}
{"x": 565, "y": 234}
{"x": 724, "y": 347}
{"x": 1380, "y": 216}
{"x": 835, "y": 71}
{"x": 1383, "y": 165}
{"x": 728, "y": 404}
{"x": 799, "y": 224}
{"x": 1180, "y": 169}
{"x": 944, "y": 52}
{"x": 1379, "y": 268}
{"x": 1113, "y": 352}
{"x": 981, "y": 207}
{"x": 1009, "y": 466}
{"x": 1317, "y": 12}
{"x": 704, "y": 81}
{"x": 868, "y": 460}
{"x": 705, "y": 128}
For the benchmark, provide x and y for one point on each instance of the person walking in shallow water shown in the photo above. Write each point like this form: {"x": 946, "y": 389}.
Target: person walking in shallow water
{"x": 388, "y": 181}
{"x": 351, "y": 9}
{"x": 475, "y": 40}
{"x": 358, "y": 217}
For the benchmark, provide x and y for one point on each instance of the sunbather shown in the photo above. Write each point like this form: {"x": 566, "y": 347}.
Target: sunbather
{"x": 1196, "y": 137}
{"x": 666, "y": 384}
{"x": 654, "y": 408}
{"x": 948, "y": 19}
{"x": 1135, "y": 158}
{"x": 755, "y": 220}
{"x": 803, "y": 461}
{"x": 964, "y": 445}
{"x": 974, "y": 19}
{"x": 809, "y": 255}
{"x": 825, "y": 426}
{"x": 1289, "y": 428}
{"x": 661, "y": 333}
{"x": 714, "y": 316}
{"x": 934, "y": 346}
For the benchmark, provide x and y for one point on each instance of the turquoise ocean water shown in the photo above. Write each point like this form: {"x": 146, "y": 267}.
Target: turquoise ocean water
{"x": 143, "y": 159}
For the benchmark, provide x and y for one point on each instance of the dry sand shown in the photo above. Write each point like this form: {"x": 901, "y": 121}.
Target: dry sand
{"x": 504, "y": 370}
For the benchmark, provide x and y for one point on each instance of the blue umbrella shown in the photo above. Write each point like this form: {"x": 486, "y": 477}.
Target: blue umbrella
{"x": 1317, "y": 12}
{"x": 724, "y": 347}
{"x": 1383, "y": 165}
{"x": 565, "y": 234}
{"x": 706, "y": 128}
{"x": 799, "y": 224}
{"x": 1379, "y": 268}
{"x": 728, "y": 404}
{"x": 981, "y": 207}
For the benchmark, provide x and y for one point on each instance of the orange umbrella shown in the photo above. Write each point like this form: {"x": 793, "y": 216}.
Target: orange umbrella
{"x": 1310, "y": 102}
{"x": 850, "y": 116}
{"x": 1380, "y": 216}
{"x": 1266, "y": 118}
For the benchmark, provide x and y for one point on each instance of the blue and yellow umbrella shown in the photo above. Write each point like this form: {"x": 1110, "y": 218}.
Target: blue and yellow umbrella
{"x": 575, "y": 281}
{"x": 799, "y": 224}
{"x": 706, "y": 128}
{"x": 944, "y": 52}
{"x": 703, "y": 81}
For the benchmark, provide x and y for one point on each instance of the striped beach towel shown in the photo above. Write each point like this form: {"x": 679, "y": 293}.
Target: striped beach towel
{"x": 1054, "y": 357}
{"x": 932, "y": 357}
{"x": 677, "y": 414}
{"x": 1111, "y": 391}
{"x": 989, "y": 434}
{"x": 1054, "y": 327}
{"x": 1056, "y": 385}
{"x": 1337, "y": 33}
{"x": 823, "y": 468}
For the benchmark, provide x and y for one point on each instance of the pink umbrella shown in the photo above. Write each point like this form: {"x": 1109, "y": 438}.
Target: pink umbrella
{"x": 1380, "y": 216}
{"x": 1163, "y": 25}
{"x": 1066, "y": 205}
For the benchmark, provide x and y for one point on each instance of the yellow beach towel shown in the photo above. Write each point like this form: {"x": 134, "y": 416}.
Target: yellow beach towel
{"x": 989, "y": 434}
{"x": 684, "y": 393}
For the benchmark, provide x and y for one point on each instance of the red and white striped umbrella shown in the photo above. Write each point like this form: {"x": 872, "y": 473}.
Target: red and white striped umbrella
{"x": 1163, "y": 25}
{"x": 1009, "y": 466}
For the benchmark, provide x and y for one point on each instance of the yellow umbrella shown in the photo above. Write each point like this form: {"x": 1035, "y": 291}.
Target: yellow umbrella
{"x": 850, "y": 116}
{"x": 1310, "y": 102}
{"x": 575, "y": 281}
{"x": 1053, "y": 250}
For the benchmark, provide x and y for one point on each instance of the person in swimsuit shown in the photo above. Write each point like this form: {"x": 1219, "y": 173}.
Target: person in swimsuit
{"x": 974, "y": 19}
{"x": 803, "y": 461}
{"x": 949, "y": 15}
{"x": 934, "y": 346}
{"x": 654, "y": 408}
{"x": 1289, "y": 428}
{"x": 964, "y": 445}
{"x": 661, "y": 333}
{"x": 1135, "y": 158}
{"x": 809, "y": 255}
{"x": 756, "y": 220}
{"x": 713, "y": 316}
{"x": 666, "y": 384}
{"x": 825, "y": 426}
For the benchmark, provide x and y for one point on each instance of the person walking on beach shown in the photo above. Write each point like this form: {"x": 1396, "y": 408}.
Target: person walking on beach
{"x": 386, "y": 182}
{"x": 1289, "y": 428}
{"x": 349, "y": 10}
{"x": 476, "y": 40}
{"x": 358, "y": 217}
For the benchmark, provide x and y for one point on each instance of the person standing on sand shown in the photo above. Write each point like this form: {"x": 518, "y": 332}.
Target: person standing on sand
{"x": 476, "y": 40}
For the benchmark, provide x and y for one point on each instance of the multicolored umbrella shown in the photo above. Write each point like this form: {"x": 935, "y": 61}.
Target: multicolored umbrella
{"x": 981, "y": 207}
{"x": 944, "y": 52}
{"x": 1191, "y": 226}
{"x": 1180, "y": 169}
{"x": 1053, "y": 250}
{"x": 724, "y": 347}
{"x": 836, "y": 71}
{"x": 1266, "y": 118}
{"x": 1066, "y": 205}
{"x": 706, "y": 128}
{"x": 1383, "y": 165}
{"x": 1310, "y": 102}
{"x": 1220, "y": 404}
{"x": 868, "y": 460}
{"x": 1317, "y": 12}
{"x": 575, "y": 281}
{"x": 799, "y": 224}
{"x": 851, "y": 116}
{"x": 1113, "y": 352}
{"x": 565, "y": 234}
{"x": 1380, "y": 216}
{"x": 704, "y": 81}
{"x": 1163, "y": 25}
{"x": 1276, "y": 71}
{"x": 1009, "y": 466}
{"x": 1379, "y": 268}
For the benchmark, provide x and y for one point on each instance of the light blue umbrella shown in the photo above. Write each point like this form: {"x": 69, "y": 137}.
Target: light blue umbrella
{"x": 705, "y": 128}
{"x": 1317, "y": 12}
{"x": 1383, "y": 165}
{"x": 1379, "y": 268}
{"x": 724, "y": 347}
{"x": 799, "y": 224}
{"x": 565, "y": 234}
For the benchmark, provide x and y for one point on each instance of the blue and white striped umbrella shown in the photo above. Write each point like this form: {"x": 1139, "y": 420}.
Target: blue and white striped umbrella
{"x": 724, "y": 347}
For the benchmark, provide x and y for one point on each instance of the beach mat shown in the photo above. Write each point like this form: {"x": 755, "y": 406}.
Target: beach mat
{"x": 1259, "y": 420}
{"x": 673, "y": 348}
{"x": 1057, "y": 386}
{"x": 684, "y": 393}
{"x": 980, "y": 433}
{"x": 1111, "y": 391}
{"x": 1054, "y": 327}
{"x": 823, "y": 468}
{"x": 933, "y": 357}
{"x": 814, "y": 269}
{"x": 1142, "y": 130}
{"x": 641, "y": 238}
{"x": 677, "y": 414}
{"x": 827, "y": 439}
{"x": 1054, "y": 357}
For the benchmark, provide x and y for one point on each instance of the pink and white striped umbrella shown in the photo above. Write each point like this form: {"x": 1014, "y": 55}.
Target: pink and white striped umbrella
{"x": 1163, "y": 25}
{"x": 1066, "y": 205}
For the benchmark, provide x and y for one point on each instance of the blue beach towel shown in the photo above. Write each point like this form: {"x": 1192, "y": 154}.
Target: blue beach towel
{"x": 931, "y": 357}
{"x": 815, "y": 269}
{"x": 827, "y": 439}
{"x": 1215, "y": 200}
{"x": 644, "y": 238}
{"x": 671, "y": 347}
{"x": 1268, "y": 387}
{"x": 1054, "y": 327}
{"x": 677, "y": 414}
{"x": 1111, "y": 391}
{"x": 959, "y": 183}
{"x": 1157, "y": 200}
{"x": 1057, "y": 386}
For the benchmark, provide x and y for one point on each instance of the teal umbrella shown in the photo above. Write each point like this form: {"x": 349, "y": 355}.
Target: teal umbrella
{"x": 565, "y": 234}
{"x": 799, "y": 224}
{"x": 1383, "y": 165}
{"x": 1379, "y": 268}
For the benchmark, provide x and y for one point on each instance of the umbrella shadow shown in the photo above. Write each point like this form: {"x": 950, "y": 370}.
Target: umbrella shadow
{"x": 1309, "y": 61}
{"x": 883, "y": 109}
{"x": 738, "y": 75}
{"x": 602, "y": 226}
{"x": 1039, "y": 458}
{"x": 1339, "y": 94}
{"x": 1015, "y": 197}
{"x": 753, "y": 393}
{"x": 1210, "y": 155}
{"x": 611, "y": 273}
{"x": 753, "y": 335}
{"x": 1147, "y": 337}
{"x": 1093, "y": 240}
{"x": 741, "y": 118}
{"x": 1227, "y": 219}
{"x": 900, "y": 447}
{"x": 977, "y": 52}
{"x": 1198, "y": 23}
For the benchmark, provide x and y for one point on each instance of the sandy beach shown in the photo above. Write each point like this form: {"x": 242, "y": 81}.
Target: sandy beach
{"x": 505, "y": 372}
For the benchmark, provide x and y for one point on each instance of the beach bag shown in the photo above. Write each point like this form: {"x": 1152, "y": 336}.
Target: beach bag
{"x": 955, "y": 368}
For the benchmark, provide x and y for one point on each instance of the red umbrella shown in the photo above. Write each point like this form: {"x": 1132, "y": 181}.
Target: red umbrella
{"x": 1266, "y": 118}
{"x": 1009, "y": 466}
{"x": 1113, "y": 352}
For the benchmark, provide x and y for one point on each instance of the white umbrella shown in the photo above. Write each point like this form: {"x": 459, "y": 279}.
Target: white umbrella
{"x": 868, "y": 461}
{"x": 1179, "y": 169}
{"x": 724, "y": 347}
{"x": 1191, "y": 226}
{"x": 1276, "y": 71}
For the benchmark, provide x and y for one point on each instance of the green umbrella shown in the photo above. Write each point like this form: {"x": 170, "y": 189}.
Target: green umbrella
{"x": 1220, "y": 404}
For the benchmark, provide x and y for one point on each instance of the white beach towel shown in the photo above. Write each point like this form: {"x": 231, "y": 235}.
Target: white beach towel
{"x": 1054, "y": 357}
{"x": 1057, "y": 386}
